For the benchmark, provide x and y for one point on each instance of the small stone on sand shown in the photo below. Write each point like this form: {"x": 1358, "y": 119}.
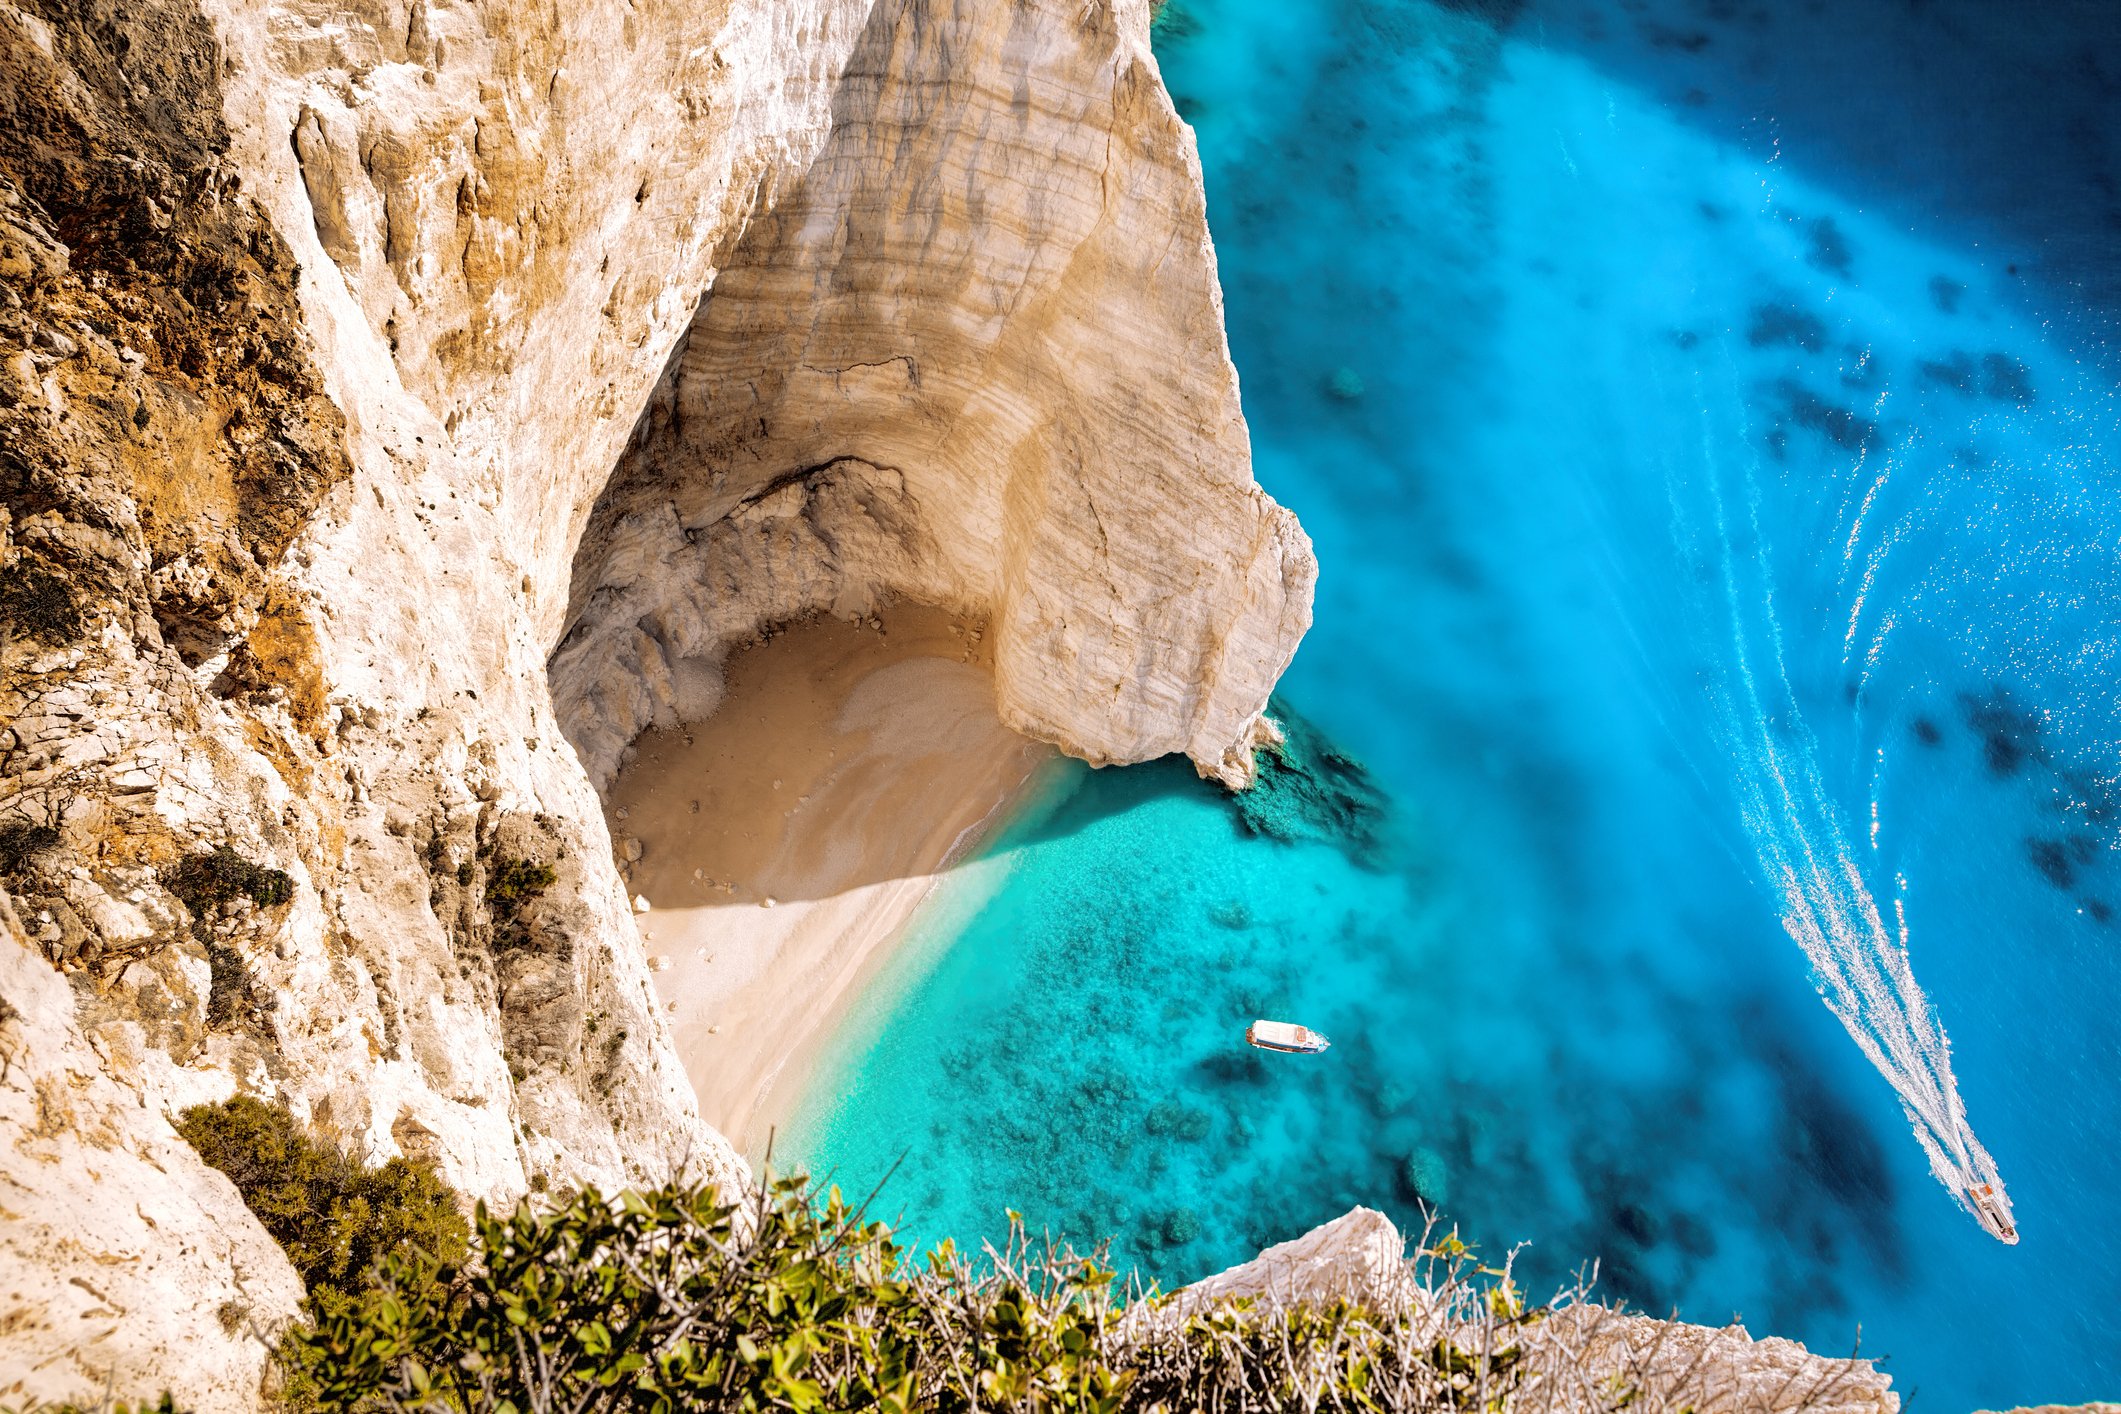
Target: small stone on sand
{"x": 766, "y": 902}
{"x": 640, "y": 903}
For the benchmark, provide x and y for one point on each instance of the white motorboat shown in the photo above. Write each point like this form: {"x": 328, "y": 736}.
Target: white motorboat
{"x": 1285, "y": 1036}
{"x": 1993, "y": 1210}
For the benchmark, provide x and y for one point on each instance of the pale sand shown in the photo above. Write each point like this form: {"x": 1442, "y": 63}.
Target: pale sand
{"x": 843, "y": 773}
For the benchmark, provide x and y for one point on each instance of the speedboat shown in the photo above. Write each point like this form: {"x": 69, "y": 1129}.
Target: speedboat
{"x": 1285, "y": 1036}
{"x": 1992, "y": 1210}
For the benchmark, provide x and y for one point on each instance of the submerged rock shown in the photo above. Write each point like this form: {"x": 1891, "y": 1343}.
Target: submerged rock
{"x": 1426, "y": 1176}
{"x": 1345, "y": 384}
{"x": 1309, "y": 789}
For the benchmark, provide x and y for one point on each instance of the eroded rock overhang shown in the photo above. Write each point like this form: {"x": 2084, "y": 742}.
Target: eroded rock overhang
{"x": 972, "y": 355}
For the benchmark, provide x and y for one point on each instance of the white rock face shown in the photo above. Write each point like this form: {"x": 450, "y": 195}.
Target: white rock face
{"x": 975, "y": 355}
{"x": 121, "y": 1255}
{"x": 1360, "y": 1255}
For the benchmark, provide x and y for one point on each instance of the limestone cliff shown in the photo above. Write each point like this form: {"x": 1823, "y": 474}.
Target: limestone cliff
{"x": 323, "y": 326}
{"x": 975, "y": 355}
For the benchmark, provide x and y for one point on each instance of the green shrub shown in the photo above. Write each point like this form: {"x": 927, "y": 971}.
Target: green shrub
{"x": 21, "y": 840}
{"x": 514, "y": 882}
{"x": 336, "y": 1219}
{"x": 206, "y": 881}
{"x": 40, "y": 602}
{"x": 673, "y": 1299}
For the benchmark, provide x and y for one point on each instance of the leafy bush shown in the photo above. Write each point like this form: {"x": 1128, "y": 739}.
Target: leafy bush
{"x": 674, "y": 1300}
{"x": 336, "y": 1219}
{"x": 515, "y": 882}
{"x": 21, "y": 840}
{"x": 40, "y": 602}
{"x": 206, "y": 881}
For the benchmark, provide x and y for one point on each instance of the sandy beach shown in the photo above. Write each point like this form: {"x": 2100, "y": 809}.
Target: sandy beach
{"x": 785, "y": 842}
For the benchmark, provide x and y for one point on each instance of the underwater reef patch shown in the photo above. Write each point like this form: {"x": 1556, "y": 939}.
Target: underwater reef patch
{"x": 1829, "y": 249}
{"x": 2078, "y": 806}
{"x": 2006, "y": 379}
{"x": 2010, "y": 735}
{"x": 2057, "y": 860}
{"x": 1172, "y": 20}
{"x": 1956, "y": 371}
{"x": 1310, "y": 789}
{"x": 1775, "y": 324}
{"x": 1842, "y": 426}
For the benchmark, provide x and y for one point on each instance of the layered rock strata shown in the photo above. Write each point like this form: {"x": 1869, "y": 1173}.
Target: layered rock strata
{"x": 323, "y": 325}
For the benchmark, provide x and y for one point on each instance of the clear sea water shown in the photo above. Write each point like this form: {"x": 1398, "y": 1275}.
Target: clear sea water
{"x": 1706, "y": 414}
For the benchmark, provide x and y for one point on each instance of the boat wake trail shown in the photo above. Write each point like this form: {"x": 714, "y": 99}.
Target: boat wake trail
{"x": 1860, "y": 964}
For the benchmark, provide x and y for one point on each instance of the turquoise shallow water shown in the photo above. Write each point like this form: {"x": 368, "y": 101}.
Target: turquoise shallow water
{"x": 1721, "y": 554}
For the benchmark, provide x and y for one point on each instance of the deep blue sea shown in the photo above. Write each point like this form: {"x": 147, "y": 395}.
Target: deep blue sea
{"x": 1705, "y": 411}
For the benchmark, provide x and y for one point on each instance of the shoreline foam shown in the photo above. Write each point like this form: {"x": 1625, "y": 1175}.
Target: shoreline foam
{"x": 787, "y": 841}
